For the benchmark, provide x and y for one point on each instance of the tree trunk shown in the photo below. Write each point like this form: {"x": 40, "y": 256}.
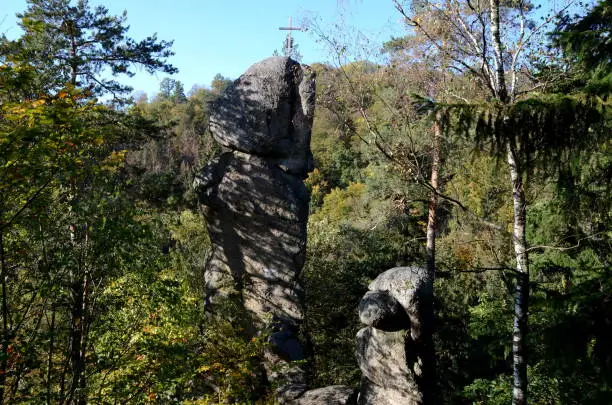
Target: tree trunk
{"x": 519, "y": 240}
{"x": 76, "y": 330}
{"x": 74, "y": 66}
{"x": 5, "y": 325}
{"x": 427, "y": 380}
{"x": 77, "y": 339}
{"x": 50, "y": 355}
{"x": 500, "y": 79}
{"x": 433, "y": 201}
{"x": 521, "y": 298}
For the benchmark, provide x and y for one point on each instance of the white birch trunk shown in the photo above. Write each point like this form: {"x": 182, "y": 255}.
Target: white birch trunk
{"x": 519, "y": 240}
{"x": 521, "y": 297}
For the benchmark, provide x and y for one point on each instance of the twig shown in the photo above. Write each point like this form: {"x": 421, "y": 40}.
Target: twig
{"x": 561, "y": 248}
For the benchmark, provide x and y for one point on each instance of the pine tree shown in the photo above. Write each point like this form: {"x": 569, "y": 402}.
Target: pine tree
{"x": 77, "y": 45}
{"x": 61, "y": 206}
{"x": 490, "y": 42}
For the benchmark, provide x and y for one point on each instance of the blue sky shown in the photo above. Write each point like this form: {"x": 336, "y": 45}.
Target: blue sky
{"x": 227, "y": 36}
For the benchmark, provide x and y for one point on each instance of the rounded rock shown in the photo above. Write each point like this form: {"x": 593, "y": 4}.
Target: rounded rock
{"x": 381, "y": 311}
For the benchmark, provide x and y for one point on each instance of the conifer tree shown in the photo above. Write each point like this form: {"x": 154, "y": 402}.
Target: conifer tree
{"x": 77, "y": 45}
{"x": 64, "y": 157}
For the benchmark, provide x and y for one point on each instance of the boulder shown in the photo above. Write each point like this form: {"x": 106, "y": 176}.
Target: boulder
{"x": 406, "y": 284}
{"x": 385, "y": 362}
{"x": 268, "y": 111}
{"x": 284, "y": 341}
{"x": 389, "y": 351}
{"x": 332, "y": 395}
{"x": 373, "y": 394}
{"x": 256, "y": 206}
{"x": 381, "y": 310}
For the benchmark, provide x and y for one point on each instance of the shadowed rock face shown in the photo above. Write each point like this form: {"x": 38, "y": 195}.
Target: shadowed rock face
{"x": 268, "y": 112}
{"x": 380, "y": 310}
{"x": 256, "y": 204}
{"x": 332, "y": 395}
{"x": 257, "y": 218}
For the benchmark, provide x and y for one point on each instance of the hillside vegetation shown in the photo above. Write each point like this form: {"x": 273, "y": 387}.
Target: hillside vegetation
{"x": 102, "y": 244}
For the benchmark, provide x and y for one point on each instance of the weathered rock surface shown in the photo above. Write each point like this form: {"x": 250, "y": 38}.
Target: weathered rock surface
{"x": 256, "y": 204}
{"x": 268, "y": 112}
{"x": 332, "y": 395}
{"x": 256, "y": 215}
{"x": 386, "y": 352}
{"x": 409, "y": 285}
{"x": 384, "y": 361}
{"x": 381, "y": 310}
{"x": 371, "y": 393}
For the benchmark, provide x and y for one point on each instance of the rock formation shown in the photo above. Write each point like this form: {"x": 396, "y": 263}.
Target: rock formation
{"x": 390, "y": 361}
{"x": 256, "y": 204}
{"x": 332, "y": 395}
{"x": 256, "y": 207}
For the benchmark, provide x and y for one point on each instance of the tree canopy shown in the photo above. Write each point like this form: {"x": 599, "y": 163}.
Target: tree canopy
{"x": 468, "y": 136}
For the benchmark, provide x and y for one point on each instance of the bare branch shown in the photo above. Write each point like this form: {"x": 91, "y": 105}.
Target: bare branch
{"x": 521, "y": 43}
{"x": 479, "y": 50}
{"x": 479, "y": 74}
{"x": 485, "y": 269}
{"x": 561, "y": 248}
{"x": 465, "y": 209}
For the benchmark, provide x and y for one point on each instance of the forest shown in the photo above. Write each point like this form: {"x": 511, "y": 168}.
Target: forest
{"x": 477, "y": 147}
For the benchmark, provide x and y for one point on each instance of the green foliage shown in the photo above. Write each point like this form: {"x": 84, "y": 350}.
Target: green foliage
{"x": 232, "y": 363}
{"x": 219, "y": 83}
{"x": 547, "y": 132}
{"x": 341, "y": 203}
{"x": 586, "y": 41}
{"x": 341, "y": 262}
{"x": 191, "y": 249}
{"x": 100, "y": 240}
{"x": 169, "y": 160}
{"x": 490, "y": 392}
{"x": 355, "y": 232}
{"x": 167, "y": 351}
{"x": 569, "y": 273}
{"x": 173, "y": 90}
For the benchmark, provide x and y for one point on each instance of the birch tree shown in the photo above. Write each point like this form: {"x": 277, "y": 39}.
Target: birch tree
{"x": 498, "y": 44}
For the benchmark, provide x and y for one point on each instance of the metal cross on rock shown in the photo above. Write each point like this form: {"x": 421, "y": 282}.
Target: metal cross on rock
{"x": 289, "y": 40}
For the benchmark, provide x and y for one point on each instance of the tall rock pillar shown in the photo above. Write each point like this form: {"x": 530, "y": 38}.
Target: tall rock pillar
{"x": 256, "y": 204}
